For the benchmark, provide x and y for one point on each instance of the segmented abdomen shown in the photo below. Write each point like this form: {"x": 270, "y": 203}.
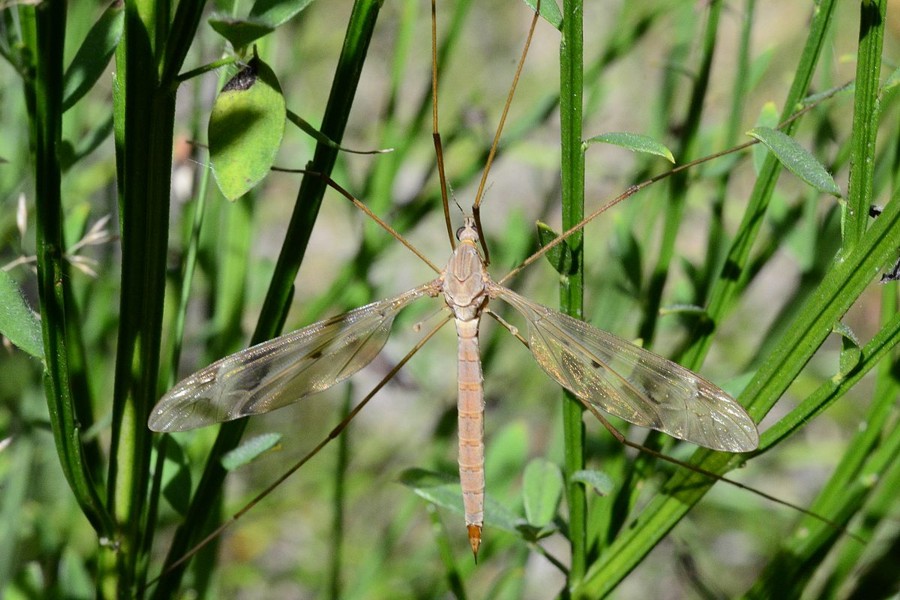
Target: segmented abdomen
{"x": 471, "y": 428}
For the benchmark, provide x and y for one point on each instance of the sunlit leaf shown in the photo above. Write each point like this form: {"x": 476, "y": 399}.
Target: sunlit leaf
{"x": 635, "y": 142}
{"x": 796, "y": 159}
{"x": 549, "y": 11}
{"x": 246, "y": 128}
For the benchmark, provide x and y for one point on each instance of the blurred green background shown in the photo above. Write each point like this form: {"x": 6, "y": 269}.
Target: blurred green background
{"x": 344, "y": 525}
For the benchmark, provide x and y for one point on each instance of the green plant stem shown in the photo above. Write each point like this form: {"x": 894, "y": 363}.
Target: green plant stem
{"x": 865, "y": 121}
{"x": 571, "y": 294}
{"x": 870, "y": 454}
{"x": 144, "y": 121}
{"x": 839, "y": 289}
{"x": 309, "y": 198}
{"x": 43, "y": 30}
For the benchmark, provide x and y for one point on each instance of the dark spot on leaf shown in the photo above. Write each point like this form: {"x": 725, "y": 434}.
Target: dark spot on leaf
{"x": 244, "y": 80}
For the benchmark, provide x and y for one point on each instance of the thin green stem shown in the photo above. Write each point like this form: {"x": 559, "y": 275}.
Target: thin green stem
{"x": 571, "y": 296}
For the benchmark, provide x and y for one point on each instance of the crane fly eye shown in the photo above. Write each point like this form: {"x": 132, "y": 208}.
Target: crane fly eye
{"x": 459, "y": 232}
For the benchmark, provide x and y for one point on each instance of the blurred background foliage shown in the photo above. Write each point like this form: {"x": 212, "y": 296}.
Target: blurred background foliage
{"x": 345, "y": 526}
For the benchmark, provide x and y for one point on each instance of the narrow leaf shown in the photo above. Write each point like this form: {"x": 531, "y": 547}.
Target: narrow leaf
{"x": 277, "y": 12}
{"x": 560, "y": 256}
{"x": 241, "y": 32}
{"x": 542, "y": 487}
{"x": 17, "y": 321}
{"x": 245, "y": 129}
{"x": 632, "y": 141}
{"x": 176, "y": 487}
{"x": 598, "y": 480}
{"x": 851, "y": 353}
{"x": 320, "y": 137}
{"x": 249, "y": 450}
{"x": 797, "y": 160}
{"x": 549, "y": 11}
{"x": 92, "y": 57}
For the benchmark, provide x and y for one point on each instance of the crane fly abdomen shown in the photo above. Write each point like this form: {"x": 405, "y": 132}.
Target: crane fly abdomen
{"x": 470, "y": 417}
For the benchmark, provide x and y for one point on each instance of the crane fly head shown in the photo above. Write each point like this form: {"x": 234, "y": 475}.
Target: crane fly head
{"x": 468, "y": 233}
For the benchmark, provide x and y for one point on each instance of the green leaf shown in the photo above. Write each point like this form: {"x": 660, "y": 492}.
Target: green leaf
{"x": 768, "y": 117}
{"x": 277, "y": 12}
{"x": 176, "y": 488}
{"x": 542, "y": 488}
{"x": 17, "y": 321}
{"x": 92, "y": 57}
{"x": 598, "y": 480}
{"x": 246, "y": 128}
{"x": 851, "y": 354}
{"x": 320, "y": 137}
{"x": 797, "y": 160}
{"x": 240, "y": 33}
{"x": 264, "y": 18}
{"x": 249, "y": 450}
{"x": 560, "y": 256}
{"x": 444, "y": 491}
{"x": 632, "y": 141}
{"x": 549, "y": 11}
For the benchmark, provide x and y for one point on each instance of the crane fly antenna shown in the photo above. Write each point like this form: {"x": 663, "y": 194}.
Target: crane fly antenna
{"x": 435, "y": 131}
{"x": 476, "y": 206}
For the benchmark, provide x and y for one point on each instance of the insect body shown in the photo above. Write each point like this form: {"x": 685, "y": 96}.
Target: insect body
{"x": 605, "y": 372}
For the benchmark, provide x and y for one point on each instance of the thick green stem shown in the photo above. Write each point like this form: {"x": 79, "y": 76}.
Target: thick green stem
{"x": 43, "y": 29}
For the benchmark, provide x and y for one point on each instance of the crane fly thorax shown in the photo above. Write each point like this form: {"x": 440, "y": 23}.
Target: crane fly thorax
{"x": 464, "y": 281}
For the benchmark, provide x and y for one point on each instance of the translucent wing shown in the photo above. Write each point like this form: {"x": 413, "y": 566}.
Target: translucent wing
{"x": 617, "y": 377}
{"x": 281, "y": 371}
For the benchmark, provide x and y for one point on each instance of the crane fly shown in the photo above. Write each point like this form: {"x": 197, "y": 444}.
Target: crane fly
{"x": 604, "y": 371}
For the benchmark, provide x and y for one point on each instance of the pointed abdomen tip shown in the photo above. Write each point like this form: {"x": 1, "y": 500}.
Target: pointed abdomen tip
{"x": 474, "y": 539}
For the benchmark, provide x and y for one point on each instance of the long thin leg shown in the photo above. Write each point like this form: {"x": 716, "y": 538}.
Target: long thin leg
{"x": 346, "y": 194}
